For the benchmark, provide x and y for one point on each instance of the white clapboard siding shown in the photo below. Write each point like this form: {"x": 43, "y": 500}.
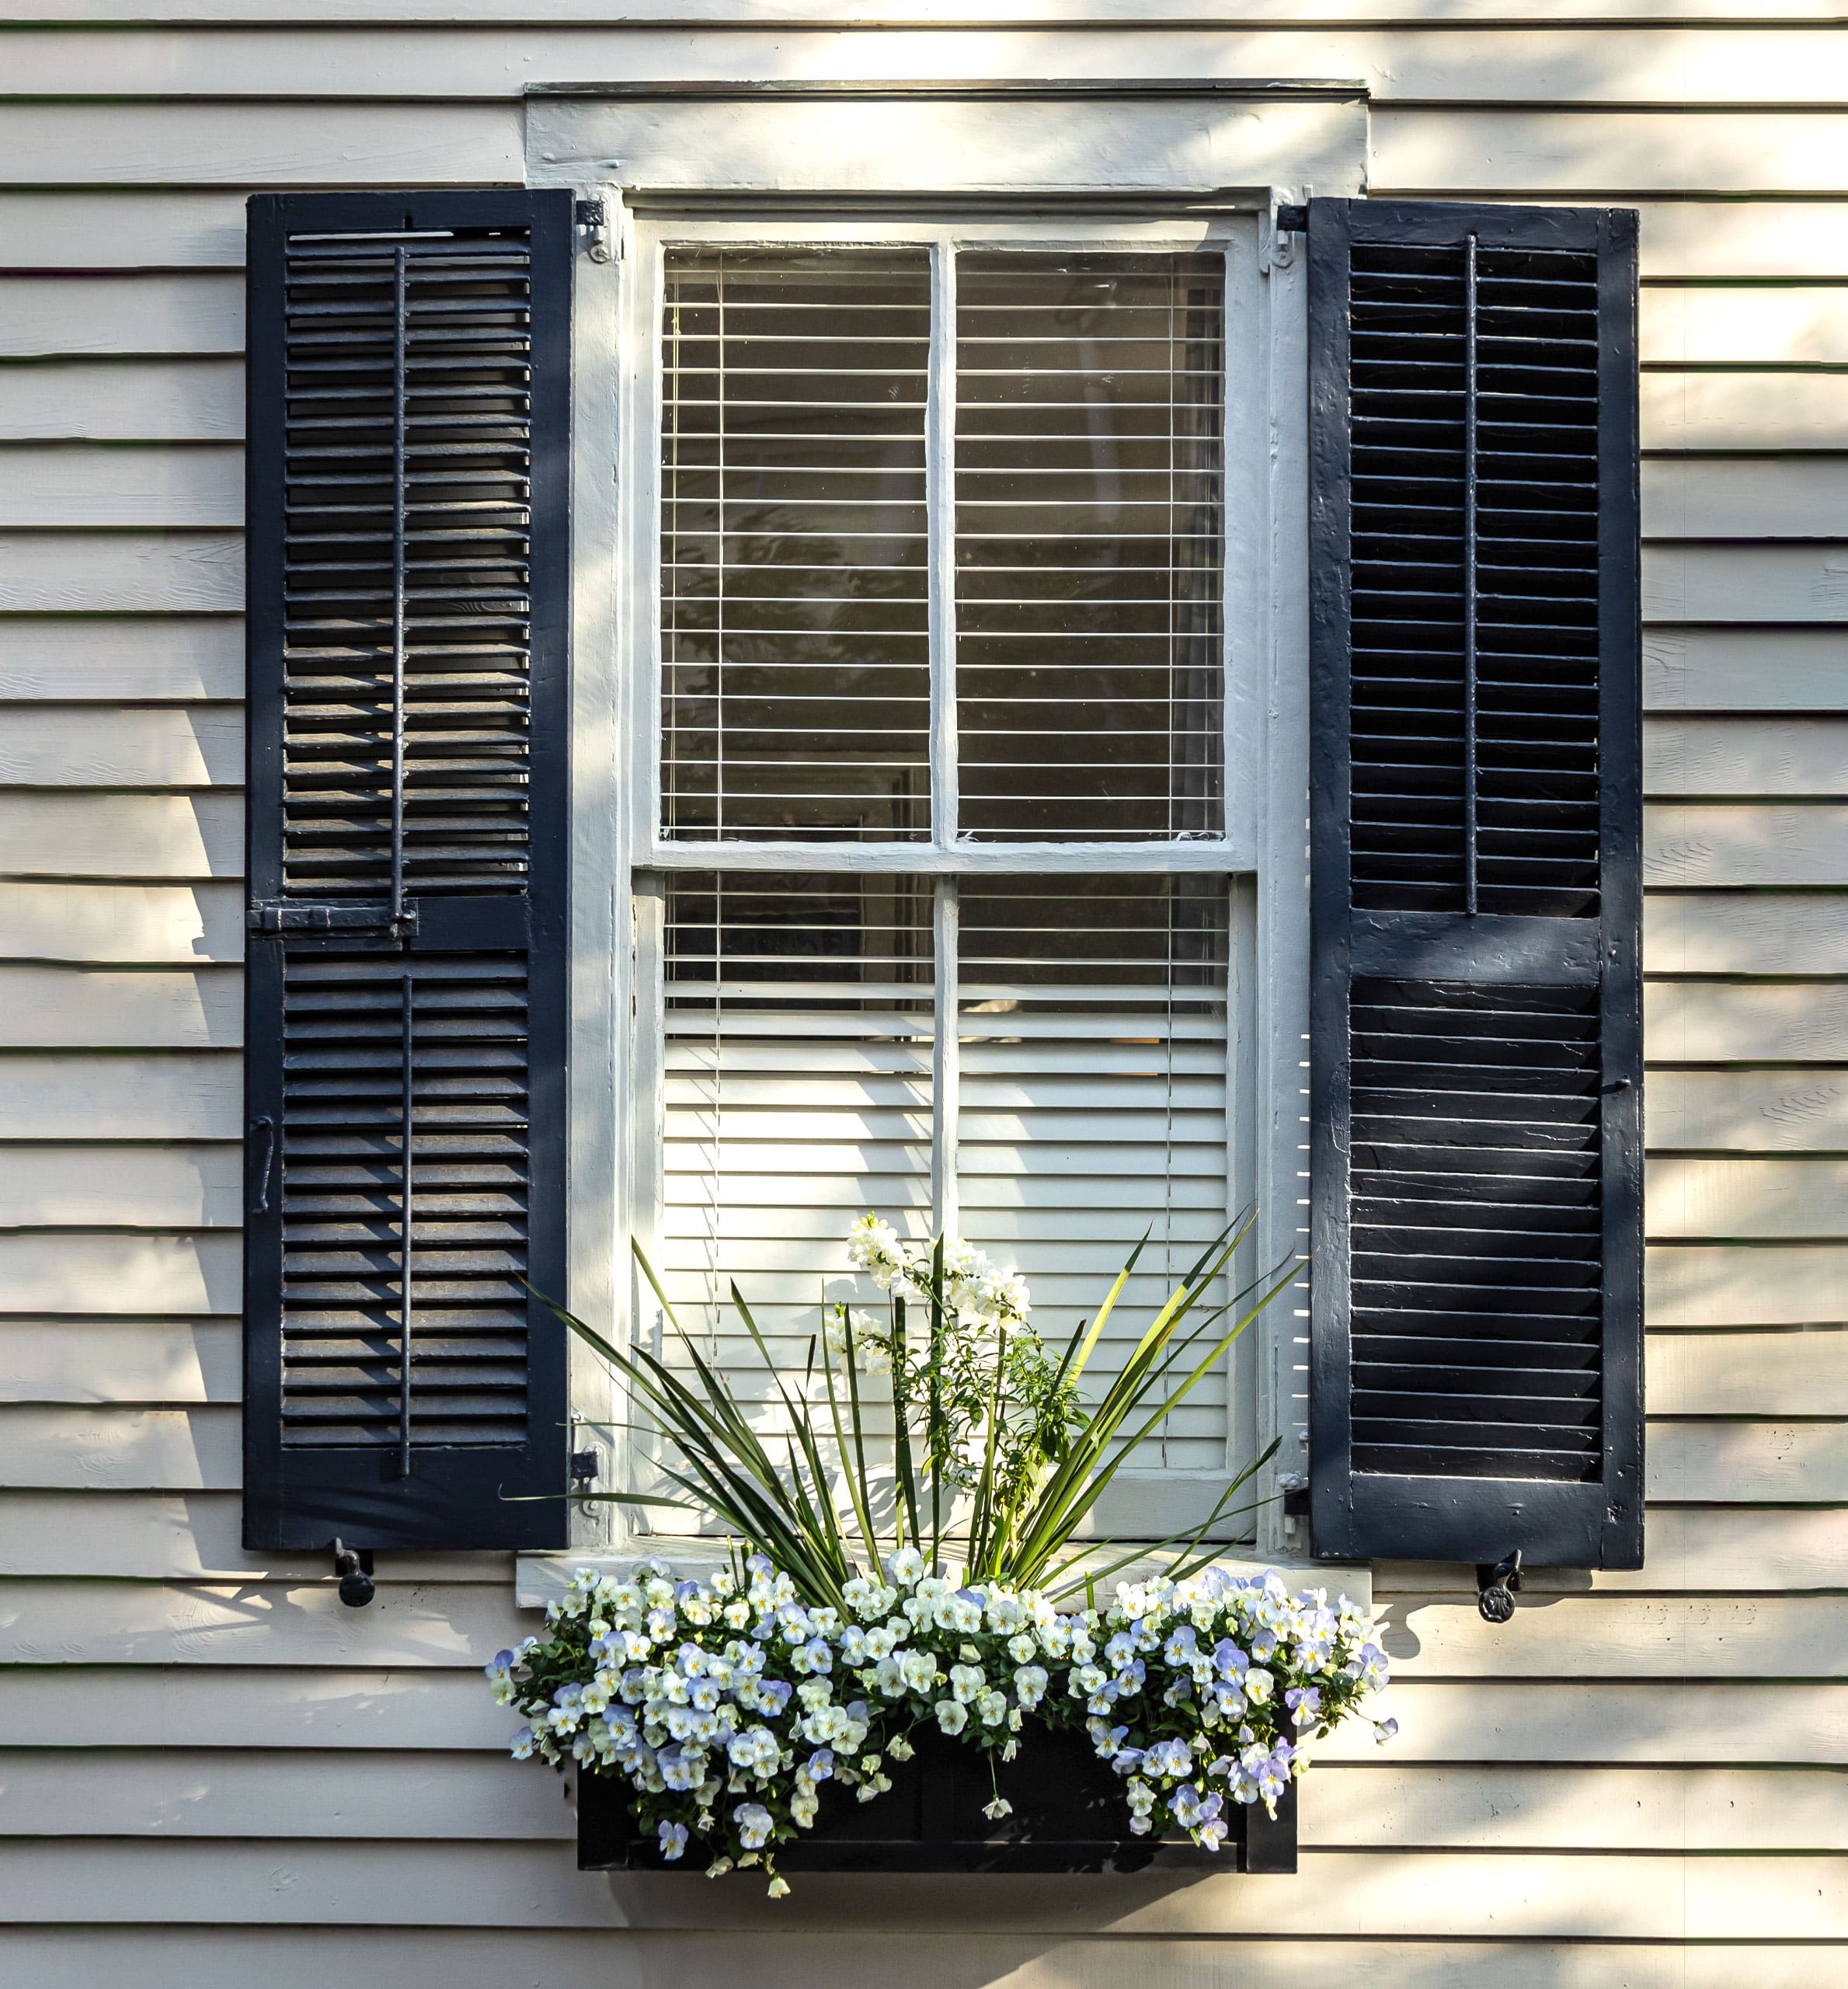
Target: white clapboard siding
{"x": 460, "y": 1624}
{"x": 1456, "y": 152}
{"x": 119, "y": 1448}
{"x": 68, "y": 314}
{"x": 1732, "y": 583}
{"x": 1767, "y": 1111}
{"x": 182, "y": 1536}
{"x": 100, "y": 1272}
{"x": 233, "y": 1705}
{"x": 1569, "y": 64}
{"x": 839, "y": 1957}
{"x": 87, "y": 834}
{"x": 1743, "y": 410}
{"x": 73, "y": 483}
{"x": 133, "y": 1095}
{"x": 1751, "y": 1548}
{"x": 145, "y": 1187}
{"x": 59, "y": 1008}
{"x": 1745, "y": 756}
{"x": 1573, "y": 1636}
{"x": 1540, "y": 1896}
{"x": 1760, "y": 933}
{"x": 842, "y": 1958}
{"x": 157, "y": 573}
{"x": 278, "y": 1794}
{"x": 1738, "y": 1462}
{"x": 1746, "y": 669}
{"x": 95, "y": 745}
{"x": 1393, "y": 1805}
{"x": 1706, "y": 845}
{"x": 147, "y": 1361}
{"x": 1791, "y": 324}
{"x": 122, "y": 400}
{"x": 168, "y": 229}
{"x": 1745, "y": 497}
{"x": 258, "y": 144}
{"x": 1789, "y": 1373}
{"x": 1758, "y": 1284}
{"x": 1739, "y": 238}
{"x": 1713, "y": 1197}
{"x": 122, "y": 922}
{"x": 1711, "y": 1021}
{"x": 130, "y": 657}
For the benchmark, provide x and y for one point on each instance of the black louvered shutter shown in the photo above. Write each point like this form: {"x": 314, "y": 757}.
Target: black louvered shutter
{"x": 410, "y": 408}
{"x": 1476, "y": 1228}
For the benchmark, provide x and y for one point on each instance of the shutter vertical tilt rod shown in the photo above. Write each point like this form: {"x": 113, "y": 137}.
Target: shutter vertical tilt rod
{"x": 407, "y": 1129}
{"x": 1469, "y": 577}
{"x": 399, "y": 344}
{"x": 407, "y": 1135}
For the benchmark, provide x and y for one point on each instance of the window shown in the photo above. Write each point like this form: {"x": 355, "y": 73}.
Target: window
{"x": 936, "y": 910}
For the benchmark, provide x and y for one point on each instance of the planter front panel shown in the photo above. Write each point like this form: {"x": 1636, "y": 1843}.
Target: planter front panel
{"x": 1069, "y": 1816}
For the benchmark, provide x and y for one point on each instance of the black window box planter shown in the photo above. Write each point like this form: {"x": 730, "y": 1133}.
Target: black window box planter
{"x": 1069, "y": 1816}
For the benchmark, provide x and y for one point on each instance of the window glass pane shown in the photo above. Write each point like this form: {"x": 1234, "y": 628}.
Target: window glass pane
{"x": 797, "y": 1091}
{"x": 1092, "y": 1040}
{"x": 795, "y": 692}
{"x": 1090, "y": 683}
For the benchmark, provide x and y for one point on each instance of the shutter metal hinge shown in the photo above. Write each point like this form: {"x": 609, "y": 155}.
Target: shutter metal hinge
{"x": 1293, "y": 219}
{"x": 593, "y": 219}
{"x": 1496, "y": 1584}
{"x": 271, "y": 917}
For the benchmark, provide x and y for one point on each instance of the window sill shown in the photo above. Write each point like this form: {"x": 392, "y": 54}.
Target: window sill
{"x": 541, "y": 1578}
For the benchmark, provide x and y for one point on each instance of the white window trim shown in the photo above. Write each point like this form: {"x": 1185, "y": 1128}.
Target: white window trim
{"x": 616, "y": 315}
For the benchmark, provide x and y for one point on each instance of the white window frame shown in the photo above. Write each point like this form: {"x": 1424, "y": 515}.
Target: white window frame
{"x": 616, "y": 1020}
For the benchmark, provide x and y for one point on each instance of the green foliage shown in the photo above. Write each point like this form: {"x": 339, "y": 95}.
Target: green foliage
{"x": 997, "y": 1463}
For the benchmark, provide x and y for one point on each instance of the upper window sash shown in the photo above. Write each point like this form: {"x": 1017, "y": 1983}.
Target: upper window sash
{"x": 1244, "y": 417}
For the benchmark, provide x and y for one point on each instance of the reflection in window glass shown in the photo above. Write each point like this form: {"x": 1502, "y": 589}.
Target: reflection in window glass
{"x": 1090, "y": 685}
{"x": 795, "y": 631}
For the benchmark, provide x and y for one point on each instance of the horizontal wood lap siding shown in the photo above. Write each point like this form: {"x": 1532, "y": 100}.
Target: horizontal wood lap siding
{"x": 263, "y": 1783}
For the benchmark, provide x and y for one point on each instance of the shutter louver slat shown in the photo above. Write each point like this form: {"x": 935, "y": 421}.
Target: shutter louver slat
{"x": 1475, "y": 1303}
{"x": 409, "y": 424}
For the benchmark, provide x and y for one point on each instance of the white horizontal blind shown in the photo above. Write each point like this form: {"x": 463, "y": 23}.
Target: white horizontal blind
{"x": 796, "y": 642}
{"x": 1090, "y": 1022}
{"x": 1089, "y": 486}
{"x": 1092, "y": 1033}
{"x": 1069, "y": 415}
{"x": 798, "y": 1031}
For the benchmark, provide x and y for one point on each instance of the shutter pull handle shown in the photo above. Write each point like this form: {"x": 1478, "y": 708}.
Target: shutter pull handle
{"x": 1495, "y": 1585}
{"x": 267, "y": 1126}
{"x": 354, "y": 1568}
